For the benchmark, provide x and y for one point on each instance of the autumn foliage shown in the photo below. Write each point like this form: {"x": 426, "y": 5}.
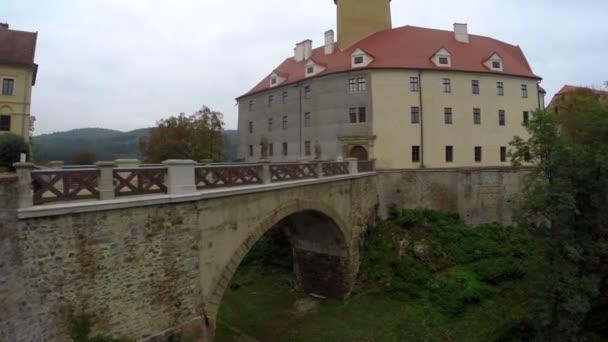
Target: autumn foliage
{"x": 199, "y": 136}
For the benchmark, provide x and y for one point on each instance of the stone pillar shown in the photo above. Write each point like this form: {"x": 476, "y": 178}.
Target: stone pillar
{"x": 26, "y": 194}
{"x": 106, "y": 180}
{"x": 353, "y": 168}
{"x": 266, "y": 175}
{"x": 180, "y": 179}
{"x": 127, "y": 163}
{"x": 319, "y": 169}
{"x": 55, "y": 164}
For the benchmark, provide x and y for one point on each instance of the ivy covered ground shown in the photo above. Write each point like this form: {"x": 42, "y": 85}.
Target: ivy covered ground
{"x": 425, "y": 276}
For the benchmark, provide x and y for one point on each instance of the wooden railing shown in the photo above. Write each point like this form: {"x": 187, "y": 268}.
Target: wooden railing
{"x": 64, "y": 185}
{"x": 366, "y": 165}
{"x": 292, "y": 171}
{"x": 218, "y": 176}
{"x": 139, "y": 181}
{"x": 334, "y": 168}
{"x": 105, "y": 181}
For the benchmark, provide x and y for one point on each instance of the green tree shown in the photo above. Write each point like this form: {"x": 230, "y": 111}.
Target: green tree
{"x": 11, "y": 147}
{"x": 198, "y": 136}
{"x": 565, "y": 203}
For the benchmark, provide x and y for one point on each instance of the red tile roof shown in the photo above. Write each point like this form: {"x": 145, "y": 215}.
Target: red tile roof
{"x": 570, "y": 88}
{"x": 411, "y": 47}
{"x": 17, "y": 47}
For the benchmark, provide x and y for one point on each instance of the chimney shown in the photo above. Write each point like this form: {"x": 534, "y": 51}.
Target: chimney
{"x": 461, "y": 33}
{"x": 329, "y": 42}
{"x": 303, "y": 50}
{"x": 3, "y": 26}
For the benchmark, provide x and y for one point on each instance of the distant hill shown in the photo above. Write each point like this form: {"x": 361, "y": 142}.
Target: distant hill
{"x": 106, "y": 144}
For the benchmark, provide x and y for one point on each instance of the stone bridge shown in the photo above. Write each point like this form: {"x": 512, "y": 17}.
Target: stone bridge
{"x": 150, "y": 250}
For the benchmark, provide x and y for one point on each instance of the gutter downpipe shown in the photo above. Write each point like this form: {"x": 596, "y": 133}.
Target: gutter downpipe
{"x": 421, "y": 119}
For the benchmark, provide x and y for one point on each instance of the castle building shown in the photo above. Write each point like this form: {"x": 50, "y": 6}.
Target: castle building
{"x": 17, "y": 76}
{"x": 409, "y": 97}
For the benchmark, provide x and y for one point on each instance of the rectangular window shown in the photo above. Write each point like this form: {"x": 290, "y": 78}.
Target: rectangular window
{"x": 503, "y": 154}
{"x": 358, "y": 60}
{"x": 362, "y": 114}
{"x": 501, "y": 118}
{"x": 361, "y": 84}
{"x": 270, "y": 100}
{"x": 251, "y": 150}
{"x": 284, "y": 123}
{"x": 478, "y": 154}
{"x": 415, "y": 115}
{"x": 352, "y": 113}
{"x": 447, "y": 85}
{"x": 444, "y": 60}
{"x": 285, "y": 95}
{"x": 310, "y": 70}
{"x": 250, "y": 126}
{"x": 271, "y": 150}
{"x": 307, "y": 148}
{"x": 250, "y": 105}
{"x": 415, "y": 154}
{"x": 352, "y": 85}
{"x": 270, "y": 125}
{"x": 449, "y": 154}
{"x": 414, "y": 84}
{"x": 524, "y": 91}
{"x": 496, "y": 64}
{"x": 8, "y": 85}
{"x": 500, "y": 88}
{"x": 475, "y": 86}
{"x": 307, "y": 92}
{"x": 285, "y": 150}
{"x": 447, "y": 116}
{"x": 476, "y": 116}
{"x": 273, "y": 80}
{"x": 307, "y": 119}
{"x": 526, "y": 118}
{"x": 5, "y": 123}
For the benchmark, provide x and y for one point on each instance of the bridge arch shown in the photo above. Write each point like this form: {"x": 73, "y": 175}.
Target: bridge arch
{"x": 325, "y": 253}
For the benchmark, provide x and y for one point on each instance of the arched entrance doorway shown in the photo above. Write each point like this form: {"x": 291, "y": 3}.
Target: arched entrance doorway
{"x": 358, "y": 152}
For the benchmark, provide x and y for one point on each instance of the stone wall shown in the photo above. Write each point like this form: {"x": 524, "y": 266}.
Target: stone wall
{"x": 155, "y": 270}
{"x": 477, "y": 195}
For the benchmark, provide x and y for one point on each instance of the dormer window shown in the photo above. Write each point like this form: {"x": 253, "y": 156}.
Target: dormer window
{"x": 496, "y": 65}
{"x": 442, "y": 58}
{"x": 313, "y": 68}
{"x": 358, "y": 60}
{"x": 276, "y": 79}
{"x": 273, "y": 80}
{"x": 310, "y": 70}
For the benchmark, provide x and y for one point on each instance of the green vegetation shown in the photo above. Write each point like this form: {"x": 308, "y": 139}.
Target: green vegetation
{"x": 425, "y": 276}
{"x": 11, "y": 147}
{"x": 80, "y": 330}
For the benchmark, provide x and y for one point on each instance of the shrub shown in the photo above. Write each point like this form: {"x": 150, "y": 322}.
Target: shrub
{"x": 11, "y": 147}
{"x": 452, "y": 291}
{"x": 409, "y": 281}
{"x": 381, "y": 252}
{"x": 497, "y": 270}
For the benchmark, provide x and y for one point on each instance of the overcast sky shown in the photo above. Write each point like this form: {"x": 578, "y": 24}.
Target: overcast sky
{"x": 124, "y": 64}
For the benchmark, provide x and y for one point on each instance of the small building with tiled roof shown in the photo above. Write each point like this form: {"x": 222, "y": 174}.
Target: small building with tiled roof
{"x": 18, "y": 71}
{"x": 568, "y": 90}
{"x": 409, "y": 97}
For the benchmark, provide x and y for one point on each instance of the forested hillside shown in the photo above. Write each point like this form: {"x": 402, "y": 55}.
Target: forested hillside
{"x": 105, "y": 144}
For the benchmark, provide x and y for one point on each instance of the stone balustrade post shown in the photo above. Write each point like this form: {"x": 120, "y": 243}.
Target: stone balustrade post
{"x": 266, "y": 175}
{"x": 55, "y": 164}
{"x": 353, "y": 167}
{"x": 128, "y": 163}
{"x": 24, "y": 175}
{"x": 319, "y": 169}
{"x": 180, "y": 179}
{"x": 106, "y": 180}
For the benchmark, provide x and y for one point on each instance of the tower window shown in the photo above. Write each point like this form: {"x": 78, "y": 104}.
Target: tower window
{"x": 449, "y": 154}
{"x": 271, "y": 150}
{"x": 415, "y": 154}
{"x": 250, "y": 126}
{"x": 307, "y": 148}
{"x": 478, "y": 154}
{"x": 414, "y": 84}
{"x": 526, "y": 118}
{"x": 307, "y": 119}
{"x": 285, "y": 150}
{"x": 503, "y": 154}
{"x": 447, "y": 116}
{"x": 447, "y": 85}
{"x": 415, "y": 113}
{"x": 502, "y": 121}
{"x": 270, "y": 125}
{"x": 476, "y": 116}
{"x": 5, "y": 122}
{"x": 284, "y": 123}
{"x": 251, "y": 150}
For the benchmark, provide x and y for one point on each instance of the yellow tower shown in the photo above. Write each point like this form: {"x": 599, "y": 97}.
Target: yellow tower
{"x": 358, "y": 19}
